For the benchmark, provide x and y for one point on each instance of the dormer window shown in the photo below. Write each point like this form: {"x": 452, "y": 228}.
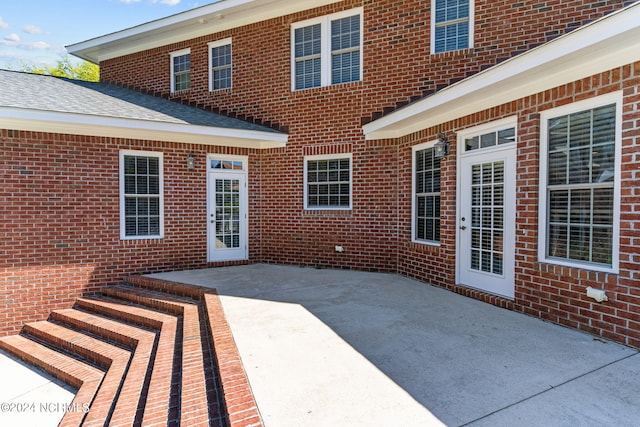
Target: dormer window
{"x": 327, "y": 50}
{"x": 181, "y": 70}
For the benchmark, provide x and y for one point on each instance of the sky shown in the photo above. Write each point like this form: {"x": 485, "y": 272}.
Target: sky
{"x": 34, "y": 33}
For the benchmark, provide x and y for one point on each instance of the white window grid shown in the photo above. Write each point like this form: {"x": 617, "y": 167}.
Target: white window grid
{"x": 327, "y": 181}
{"x": 425, "y": 205}
{"x": 220, "y": 64}
{"x": 327, "y": 50}
{"x": 451, "y": 25}
{"x": 591, "y": 196}
{"x": 180, "y": 70}
{"x": 141, "y": 195}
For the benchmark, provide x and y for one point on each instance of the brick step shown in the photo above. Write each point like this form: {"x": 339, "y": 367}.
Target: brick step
{"x": 143, "y": 353}
{"x": 162, "y": 402}
{"x": 81, "y": 376}
{"x": 195, "y": 367}
{"x": 141, "y": 342}
{"x": 114, "y": 360}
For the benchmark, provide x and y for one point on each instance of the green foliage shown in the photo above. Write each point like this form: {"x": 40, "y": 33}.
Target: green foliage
{"x": 66, "y": 68}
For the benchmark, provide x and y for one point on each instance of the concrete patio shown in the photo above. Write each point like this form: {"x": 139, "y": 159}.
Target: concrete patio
{"x": 345, "y": 348}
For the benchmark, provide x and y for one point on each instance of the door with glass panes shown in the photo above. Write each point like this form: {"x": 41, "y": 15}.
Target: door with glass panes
{"x": 486, "y": 214}
{"x": 227, "y": 211}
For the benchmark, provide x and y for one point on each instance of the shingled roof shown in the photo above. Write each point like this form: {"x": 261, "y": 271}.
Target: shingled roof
{"x": 37, "y": 98}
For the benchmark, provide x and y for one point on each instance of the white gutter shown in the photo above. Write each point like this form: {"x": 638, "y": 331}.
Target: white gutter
{"x": 84, "y": 124}
{"x": 205, "y": 20}
{"x": 605, "y": 44}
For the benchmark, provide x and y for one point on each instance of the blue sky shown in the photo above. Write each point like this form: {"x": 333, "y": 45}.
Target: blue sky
{"x": 34, "y": 32}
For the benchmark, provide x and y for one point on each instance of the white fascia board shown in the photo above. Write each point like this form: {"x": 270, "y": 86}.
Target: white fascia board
{"x": 603, "y": 45}
{"x": 202, "y": 21}
{"x": 81, "y": 124}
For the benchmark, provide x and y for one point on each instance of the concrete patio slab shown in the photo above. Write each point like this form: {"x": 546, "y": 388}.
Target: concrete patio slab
{"x": 29, "y": 396}
{"x": 326, "y": 348}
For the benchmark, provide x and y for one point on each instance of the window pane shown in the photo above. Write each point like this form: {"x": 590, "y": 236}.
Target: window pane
{"x": 427, "y": 178}
{"x": 328, "y": 183}
{"x": 580, "y": 185}
{"x": 142, "y": 195}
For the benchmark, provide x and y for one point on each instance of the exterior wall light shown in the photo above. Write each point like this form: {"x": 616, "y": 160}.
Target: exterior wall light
{"x": 191, "y": 162}
{"x": 441, "y": 148}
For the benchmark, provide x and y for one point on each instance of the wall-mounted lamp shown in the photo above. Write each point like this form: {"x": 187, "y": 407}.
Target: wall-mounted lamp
{"x": 191, "y": 162}
{"x": 441, "y": 148}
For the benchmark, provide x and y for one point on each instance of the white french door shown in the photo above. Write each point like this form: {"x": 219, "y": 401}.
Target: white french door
{"x": 486, "y": 221}
{"x": 227, "y": 215}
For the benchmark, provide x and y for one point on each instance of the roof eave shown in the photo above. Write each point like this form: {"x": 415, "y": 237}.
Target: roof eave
{"x": 209, "y": 19}
{"x": 602, "y": 45}
{"x": 90, "y": 125}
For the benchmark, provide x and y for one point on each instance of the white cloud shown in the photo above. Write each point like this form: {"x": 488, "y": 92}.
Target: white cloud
{"x": 12, "y": 38}
{"x": 3, "y": 25}
{"x": 32, "y": 29}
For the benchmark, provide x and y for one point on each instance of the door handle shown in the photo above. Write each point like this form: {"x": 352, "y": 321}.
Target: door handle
{"x": 463, "y": 227}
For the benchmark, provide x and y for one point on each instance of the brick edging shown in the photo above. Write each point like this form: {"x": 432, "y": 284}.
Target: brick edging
{"x": 242, "y": 409}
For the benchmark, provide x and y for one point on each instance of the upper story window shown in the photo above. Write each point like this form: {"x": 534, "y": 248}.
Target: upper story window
{"x": 426, "y": 200}
{"x": 451, "y": 25}
{"x": 141, "y": 195}
{"x": 327, "y": 50}
{"x": 579, "y": 184}
{"x": 181, "y": 70}
{"x": 220, "y": 64}
{"x": 327, "y": 181}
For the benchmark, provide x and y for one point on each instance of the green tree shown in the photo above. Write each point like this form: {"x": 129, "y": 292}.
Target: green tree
{"x": 66, "y": 68}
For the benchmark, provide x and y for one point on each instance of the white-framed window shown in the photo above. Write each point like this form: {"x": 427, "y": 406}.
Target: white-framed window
{"x": 580, "y": 183}
{"x": 181, "y": 70}
{"x": 220, "y": 64}
{"x": 327, "y": 50}
{"x": 141, "y": 195}
{"x": 451, "y": 25}
{"x": 327, "y": 182}
{"x": 425, "y": 205}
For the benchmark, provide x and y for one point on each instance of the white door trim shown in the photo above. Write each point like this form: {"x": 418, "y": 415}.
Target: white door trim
{"x": 503, "y": 284}
{"x": 232, "y": 167}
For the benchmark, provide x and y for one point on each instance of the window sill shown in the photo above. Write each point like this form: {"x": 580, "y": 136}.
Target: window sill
{"x": 444, "y": 56}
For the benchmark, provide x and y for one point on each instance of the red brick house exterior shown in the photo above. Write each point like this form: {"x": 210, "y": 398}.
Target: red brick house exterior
{"x": 514, "y": 71}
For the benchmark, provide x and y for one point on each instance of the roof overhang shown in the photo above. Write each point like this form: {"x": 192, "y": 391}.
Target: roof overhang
{"x": 605, "y": 44}
{"x": 91, "y": 125}
{"x": 220, "y": 16}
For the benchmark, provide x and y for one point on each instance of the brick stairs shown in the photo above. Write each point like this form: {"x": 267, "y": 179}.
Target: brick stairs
{"x": 147, "y": 352}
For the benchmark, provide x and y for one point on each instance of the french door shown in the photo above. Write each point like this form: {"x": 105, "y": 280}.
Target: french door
{"x": 227, "y": 216}
{"x": 486, "y": 222}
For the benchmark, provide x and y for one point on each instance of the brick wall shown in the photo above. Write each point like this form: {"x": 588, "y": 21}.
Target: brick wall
{"x": 60, "y": 232}
{"x": 84, "y": 243}
{"x": 552, "y": 292}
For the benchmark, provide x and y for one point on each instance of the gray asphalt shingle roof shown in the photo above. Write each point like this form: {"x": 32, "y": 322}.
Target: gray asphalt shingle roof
{"x": 55, "y": 94}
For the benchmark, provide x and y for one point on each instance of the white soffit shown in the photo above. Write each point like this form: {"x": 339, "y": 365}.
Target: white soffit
{"x": 220, "y": 16}
{"x": 91, "y": 125}
{"x": 605, "y": 44}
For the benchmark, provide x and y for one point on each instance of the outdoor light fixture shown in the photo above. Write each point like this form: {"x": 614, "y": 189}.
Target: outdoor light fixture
{"x": 441, "y": 148}
{"x": 191, "y": 162}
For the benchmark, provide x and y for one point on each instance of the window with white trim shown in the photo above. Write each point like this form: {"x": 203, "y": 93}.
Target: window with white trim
{"x": 141, "y": 195}
{"x": 580, "y": 183}
{"x": 181, "y": 70}
{"x": 451, "y": 25}
{"x": 327, "y": 182}
{"x": 220, "y": 65}
{"x": 327, "y": 50}
{"x": 426, "y": 194}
